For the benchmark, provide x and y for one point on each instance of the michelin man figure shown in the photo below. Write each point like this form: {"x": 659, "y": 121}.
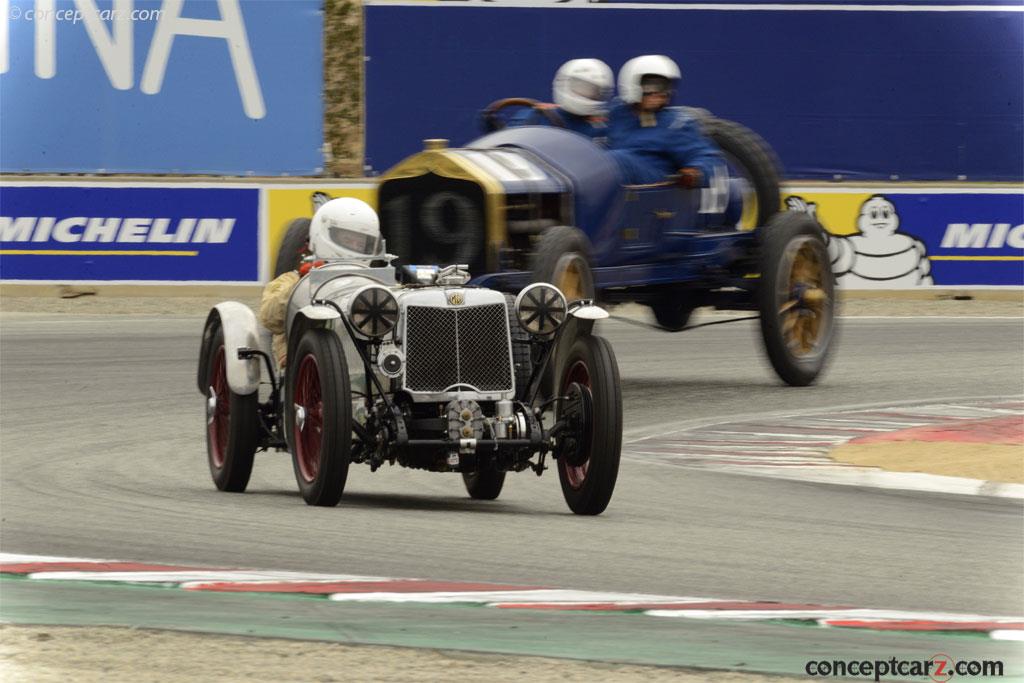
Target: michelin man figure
{"x": 877, "y": 256}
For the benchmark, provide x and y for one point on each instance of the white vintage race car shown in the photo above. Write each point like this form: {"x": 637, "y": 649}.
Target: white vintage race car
{"x": 411, "y": 366}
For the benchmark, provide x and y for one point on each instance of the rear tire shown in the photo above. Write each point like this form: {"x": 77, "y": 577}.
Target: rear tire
{"x": 232, "y": 424}
{"x": 588, "y": 486}
{"x": 672, "y": 313}
{"x": 294, "y": 247}
{"x": 321, "y": 435}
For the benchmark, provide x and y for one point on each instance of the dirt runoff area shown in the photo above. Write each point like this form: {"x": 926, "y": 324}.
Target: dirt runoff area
{"x": 55, "y": 654}
{"x": 198, "y": 299}
{"x": 990, "y": 450}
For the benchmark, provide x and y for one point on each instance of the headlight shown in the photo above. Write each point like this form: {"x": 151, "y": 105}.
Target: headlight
{"x": 541, "y": 309}
{"x": 373, "y": 311}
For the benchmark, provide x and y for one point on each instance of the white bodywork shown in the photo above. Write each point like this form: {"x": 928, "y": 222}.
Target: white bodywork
{"x": 242, "y": 330}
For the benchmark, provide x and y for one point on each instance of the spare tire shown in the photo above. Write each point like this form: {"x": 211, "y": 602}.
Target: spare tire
{"x": 294, "y": 247}
{"x": 751, "y": 158}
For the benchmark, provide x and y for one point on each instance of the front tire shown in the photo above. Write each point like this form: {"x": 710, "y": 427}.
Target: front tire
{"x": 796, "y": 298}
{"x": 562, "y": 258}
{"x": 320, "y": 417}
{"x": 232, "y": 424}
{"x": 588, "y": 475}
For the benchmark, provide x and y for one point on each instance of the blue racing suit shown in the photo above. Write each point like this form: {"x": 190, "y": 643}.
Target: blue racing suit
{"x": 593, "y": 127}
{"x": 649, "y": 154}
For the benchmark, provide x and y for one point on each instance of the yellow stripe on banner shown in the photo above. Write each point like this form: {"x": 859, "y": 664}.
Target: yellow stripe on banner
{"x": 78, "y": 252}
{"x": 976, "y": 258}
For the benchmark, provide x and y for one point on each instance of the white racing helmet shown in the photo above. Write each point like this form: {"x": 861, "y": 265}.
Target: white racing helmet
{"x": 583, "y": 86}
{"x": 632, "y": 74}
{"x": 345, "y": 228}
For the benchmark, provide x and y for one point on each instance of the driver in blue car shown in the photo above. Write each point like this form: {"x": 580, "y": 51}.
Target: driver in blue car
{"x": 650, "y": 140}
{"x": 582, "y": 89}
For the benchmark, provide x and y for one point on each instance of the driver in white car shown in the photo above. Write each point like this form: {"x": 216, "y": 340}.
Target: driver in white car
{"x": 342, "y": 229}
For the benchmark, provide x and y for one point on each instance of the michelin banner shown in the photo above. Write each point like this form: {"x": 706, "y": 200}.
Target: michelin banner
{"x": 892, "y": 238}
{"x": 67, "y": 234}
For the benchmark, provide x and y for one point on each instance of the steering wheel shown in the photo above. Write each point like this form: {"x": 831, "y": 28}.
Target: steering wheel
{"x": 493, "y": 122}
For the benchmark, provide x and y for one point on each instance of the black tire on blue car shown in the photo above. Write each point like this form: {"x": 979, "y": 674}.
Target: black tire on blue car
{"x": 232, "y": 423}
{"x": 562, "y": 257}
{"x": 319, "y": 402}
{"x": 294, "y": 246}
{"x": 752, "y": 158}
{"x": 485, "y": 484}
{"x": 588, "y": 475}
{"x": 672, "y": 311}
{"x": 796, "y": 298}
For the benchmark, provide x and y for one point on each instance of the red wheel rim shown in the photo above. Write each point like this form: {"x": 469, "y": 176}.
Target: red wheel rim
{"x": 576, "y": 475}
{"x": 309, "y": 434}
{"x": 217, "y": 424}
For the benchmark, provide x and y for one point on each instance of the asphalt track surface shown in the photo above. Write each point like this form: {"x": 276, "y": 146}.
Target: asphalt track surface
{"x": 103, "y": 455}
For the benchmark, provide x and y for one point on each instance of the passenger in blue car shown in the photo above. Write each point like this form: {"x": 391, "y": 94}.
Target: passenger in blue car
{"x": 582, "y": 89}
{"x": 650, "y": 140}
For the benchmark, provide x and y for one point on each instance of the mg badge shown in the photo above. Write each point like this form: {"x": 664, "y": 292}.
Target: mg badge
{"x": 456, "y": 299}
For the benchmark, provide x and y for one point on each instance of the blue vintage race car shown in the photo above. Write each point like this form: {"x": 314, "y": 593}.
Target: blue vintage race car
{"x": 545, "y": 204}
{"x": 542, "y": 203}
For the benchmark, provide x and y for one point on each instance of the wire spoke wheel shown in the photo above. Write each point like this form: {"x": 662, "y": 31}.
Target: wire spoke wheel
{"x": 219, "y": 413}
{"x": 805, "y": 300}
{"x": 319, "y": 416}
{"x": 232, "y": 421}
{"x": 588, "y": 454}
{"x": 796, "y": 297}
{"x": 308, "y": 426}
{"x": 570, "y": 273}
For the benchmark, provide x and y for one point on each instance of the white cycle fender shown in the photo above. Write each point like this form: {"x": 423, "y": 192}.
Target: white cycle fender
{"x": 240, "y": 330}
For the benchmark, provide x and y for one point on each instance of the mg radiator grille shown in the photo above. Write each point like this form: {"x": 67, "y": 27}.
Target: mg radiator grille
{"x": 449, "y": 346}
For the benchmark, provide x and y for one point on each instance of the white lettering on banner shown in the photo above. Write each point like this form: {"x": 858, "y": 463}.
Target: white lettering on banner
{"x": 133, "y": 230}
{"x": 46, "y": 40}
{"x": 16, "y": 229}
{"x": 1016, "y": 237}
{"x": 115, "y": 48}
{"x": 5, "y": 35}
{"x": 214, "y": 230}
{"x": 43, "y": 228}
{"x": 159, "y": 231}
{"x": 62, "y": 232}
{"x": 981, "y": 235}
{"x": 123, "y": 230}
{"x": 101, "y": 230}
{"x": 229, "y": 27}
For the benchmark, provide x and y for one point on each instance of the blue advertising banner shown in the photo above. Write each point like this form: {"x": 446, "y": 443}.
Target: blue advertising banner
{"x": 893, "y": 238}
{"x": 904, "y": 91}
{"x": 129, "y": 234}
{"x": 203, "y": 86}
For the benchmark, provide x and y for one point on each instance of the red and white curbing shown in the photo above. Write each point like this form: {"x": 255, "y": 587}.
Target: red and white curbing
{"x": 797, "y": 446}
{"x": 356, "y": 588}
